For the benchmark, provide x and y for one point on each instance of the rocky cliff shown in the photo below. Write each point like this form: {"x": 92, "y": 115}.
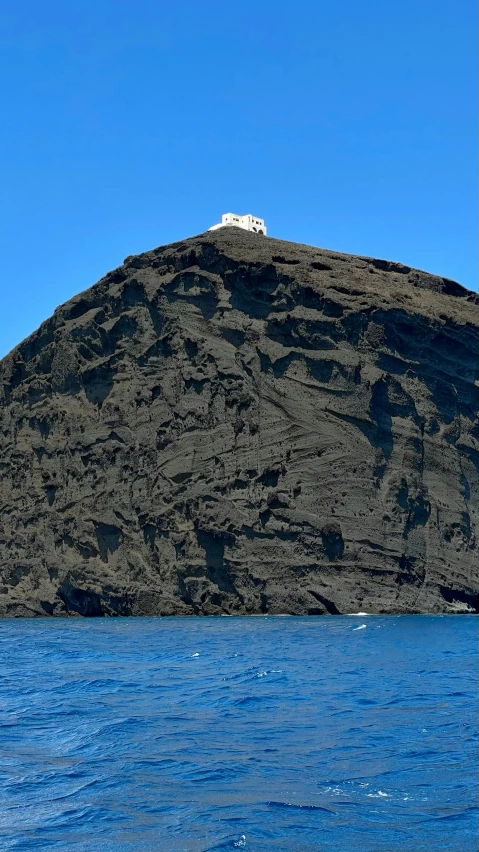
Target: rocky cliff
{"x": 237, "y": 424}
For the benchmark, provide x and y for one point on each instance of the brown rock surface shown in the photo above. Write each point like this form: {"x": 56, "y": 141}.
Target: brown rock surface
{"x": 240, "y": 424}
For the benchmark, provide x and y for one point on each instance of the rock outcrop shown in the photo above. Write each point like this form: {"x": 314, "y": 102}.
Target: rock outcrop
{"x": 237, "y": 424}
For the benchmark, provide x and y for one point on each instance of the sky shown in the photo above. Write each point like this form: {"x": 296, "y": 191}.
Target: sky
{"x": 127, "y": 125}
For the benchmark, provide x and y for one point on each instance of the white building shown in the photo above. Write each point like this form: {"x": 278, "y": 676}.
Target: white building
{"x": 248, "y": 222}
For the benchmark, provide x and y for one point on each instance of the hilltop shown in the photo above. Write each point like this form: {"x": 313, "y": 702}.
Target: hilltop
{"x": 238, "y": 424}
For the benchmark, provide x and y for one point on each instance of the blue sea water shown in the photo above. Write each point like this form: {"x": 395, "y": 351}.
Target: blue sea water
{"x": 334, "y": 734}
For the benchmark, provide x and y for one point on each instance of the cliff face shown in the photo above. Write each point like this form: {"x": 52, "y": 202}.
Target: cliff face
{"x": 236, "y": 424}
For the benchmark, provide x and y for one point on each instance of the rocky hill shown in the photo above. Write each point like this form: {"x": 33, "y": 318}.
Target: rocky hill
{"x": 237, "y": 424}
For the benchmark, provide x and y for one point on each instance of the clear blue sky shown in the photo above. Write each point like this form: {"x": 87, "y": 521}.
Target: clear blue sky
{"x": 126, "y": 125}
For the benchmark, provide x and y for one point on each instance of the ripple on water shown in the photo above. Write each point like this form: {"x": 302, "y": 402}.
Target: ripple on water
{"x": 188, "y": 735}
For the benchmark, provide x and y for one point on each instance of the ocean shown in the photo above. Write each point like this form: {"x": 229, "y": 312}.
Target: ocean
{"x": 319, "y": 734}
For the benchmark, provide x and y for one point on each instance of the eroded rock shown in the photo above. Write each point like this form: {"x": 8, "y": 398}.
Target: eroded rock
{"x": 239, "y": 424}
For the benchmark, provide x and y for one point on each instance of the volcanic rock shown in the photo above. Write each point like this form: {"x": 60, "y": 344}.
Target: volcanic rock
{"x": 238, "y": 424}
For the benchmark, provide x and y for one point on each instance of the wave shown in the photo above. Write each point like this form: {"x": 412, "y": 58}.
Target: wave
{"x": 282, "y": 734}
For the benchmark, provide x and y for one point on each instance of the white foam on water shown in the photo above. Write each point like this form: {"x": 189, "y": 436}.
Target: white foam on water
{"x": 356, "y": 613}
{"x": 241, "y": 842}
{"x": 270, "y": 671}
{"x": 361, "y": 627}
{"x": 195, "y": 655}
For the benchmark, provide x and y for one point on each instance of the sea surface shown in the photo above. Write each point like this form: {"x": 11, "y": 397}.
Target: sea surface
{"x": 336, "y": 734}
